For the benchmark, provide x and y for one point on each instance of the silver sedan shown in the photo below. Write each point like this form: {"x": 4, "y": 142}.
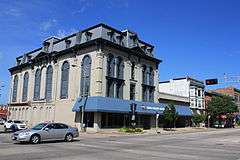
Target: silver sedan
{"x": 46, "y": 132}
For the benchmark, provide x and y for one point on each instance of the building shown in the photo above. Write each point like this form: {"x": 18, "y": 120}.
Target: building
{"x": 186, "y": 87}
{"x": 176, "y": 100}
{"x": 3, "y": 112}
{"x": 208, "y": 95}
{"x": 230, "y": 91}
{"x": 99, "y": 70}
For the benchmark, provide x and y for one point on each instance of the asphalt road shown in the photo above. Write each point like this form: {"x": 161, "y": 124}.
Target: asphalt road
{"x": 223, "y": 144}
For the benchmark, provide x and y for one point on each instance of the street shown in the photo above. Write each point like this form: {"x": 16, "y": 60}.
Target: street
{"x": 215, "y": 145}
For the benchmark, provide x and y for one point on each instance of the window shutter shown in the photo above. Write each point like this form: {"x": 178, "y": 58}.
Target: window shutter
{"x": 15, "y": 86}
{"x": 64, "y": 80}
{"x": 37, "y": 85}
{"x": 85, "y": 76}
{"x": 25, "y": 87}
{"x": 48, "y": 90}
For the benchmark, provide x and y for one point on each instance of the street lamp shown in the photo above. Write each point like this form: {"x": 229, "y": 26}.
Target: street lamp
{"x": 84, "y": 95}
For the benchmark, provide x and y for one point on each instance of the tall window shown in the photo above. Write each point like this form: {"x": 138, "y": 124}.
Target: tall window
{"x": 85, "y": 75}
{"x": 119, "y": 90}
{"x": 37, "y": 85}
{"x": 132, "y": 91}
{"x": 25, "y": 87}
{"x": 15, "y": 86}
{"x": 48, "y": 89}
{"x": 144, "y": 74}
{"x": 115, "y": 82}
{"x": 64, "y": 80}
{"x": 151, "y": 77}
{"x": 120, "y": 67}
{"x": 110, "y": 88}
{"x": 133, "y": 70}
{"x": 110, "y": 66}
{"x": 148, "y": 84}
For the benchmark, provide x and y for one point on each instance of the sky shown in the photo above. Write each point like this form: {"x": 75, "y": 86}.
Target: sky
{"x": 197, "y": 38}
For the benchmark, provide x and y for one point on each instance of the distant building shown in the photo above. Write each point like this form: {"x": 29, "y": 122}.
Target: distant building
{"x": 209, "y": 95}
{"x": 183, "y": 120}
{"x": 3, "y": 111}
{"x": 186, "y": 87}
{"x": 230, "y": 91}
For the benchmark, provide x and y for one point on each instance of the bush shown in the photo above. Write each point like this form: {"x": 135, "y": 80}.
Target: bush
{"x": 198, "y": 118}
{"x": 131, "y": 130}
{"x": 238, "y": 122}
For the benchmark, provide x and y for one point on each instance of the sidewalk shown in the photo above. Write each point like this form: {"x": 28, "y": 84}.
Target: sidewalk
{"x": 115, "y": 133}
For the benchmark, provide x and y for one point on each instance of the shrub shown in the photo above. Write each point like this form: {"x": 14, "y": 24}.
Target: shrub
{"x": 131, "y": 130}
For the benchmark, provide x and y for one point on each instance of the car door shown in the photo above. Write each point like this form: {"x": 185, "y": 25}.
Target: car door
{"x": 60, "y": 130}
{"x": 48, "y": 132}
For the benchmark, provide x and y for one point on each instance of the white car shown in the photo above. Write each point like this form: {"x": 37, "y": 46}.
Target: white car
{"x": 14, "y": 125}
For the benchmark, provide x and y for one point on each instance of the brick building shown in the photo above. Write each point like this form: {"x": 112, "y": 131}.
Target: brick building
{"x": 230, "y": 91}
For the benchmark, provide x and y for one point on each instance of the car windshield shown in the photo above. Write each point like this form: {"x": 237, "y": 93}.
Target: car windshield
{"x": 39, "y": 126}
{"x": 17, "y": 121}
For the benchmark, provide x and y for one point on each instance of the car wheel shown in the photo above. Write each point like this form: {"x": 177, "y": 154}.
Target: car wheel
{"x": 35, "y": 139}
{"x": 69, "y": 137}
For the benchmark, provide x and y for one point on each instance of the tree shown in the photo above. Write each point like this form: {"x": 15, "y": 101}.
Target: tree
{"x": 170, "y": 115}
{"x": 219, "y": 106}
{"x": 198, "y": 118}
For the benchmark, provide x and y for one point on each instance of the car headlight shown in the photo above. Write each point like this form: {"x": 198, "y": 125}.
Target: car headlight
{"x": 24, "y": 134}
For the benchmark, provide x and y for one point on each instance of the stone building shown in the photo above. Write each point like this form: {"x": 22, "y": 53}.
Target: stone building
{"x": 99, "y": 70}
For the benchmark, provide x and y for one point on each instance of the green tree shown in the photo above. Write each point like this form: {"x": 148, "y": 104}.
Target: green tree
{"x": 221, "y": 106}
{"x": 170, "y": 115}
{"x": 198, "y": 118}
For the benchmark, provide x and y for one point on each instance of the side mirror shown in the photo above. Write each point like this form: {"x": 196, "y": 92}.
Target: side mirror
{"x": 46, "y": 129}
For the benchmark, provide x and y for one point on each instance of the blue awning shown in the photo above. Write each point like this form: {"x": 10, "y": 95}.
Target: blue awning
{"x": 79, "y": 103}
{"x": 114, "y": 105}
{"x": 183, "y": 110}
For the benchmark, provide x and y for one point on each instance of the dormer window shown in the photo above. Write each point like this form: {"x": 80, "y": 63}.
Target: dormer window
{"x": 68, "y": 43}
{"x": 144, "y": 48}
{"x": 88, "y": 36}
{"x": 46, "y": 46}
{"x": 135, "y": 40}
{"x": 111, "y": 36}
{"x": 18, "y": 61}
{"x": 120, "y": 39}
{"x": 150, "y": 50}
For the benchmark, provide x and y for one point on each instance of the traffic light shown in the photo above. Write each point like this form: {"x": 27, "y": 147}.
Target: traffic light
{"x": 211, "y": 81}
{"x": 133, "y": 108}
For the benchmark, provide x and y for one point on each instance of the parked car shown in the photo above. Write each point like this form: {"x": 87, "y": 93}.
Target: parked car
{"x": 14, "y": 125}
{"x": 2, "y": 121}
{"x": 46, "y": 132}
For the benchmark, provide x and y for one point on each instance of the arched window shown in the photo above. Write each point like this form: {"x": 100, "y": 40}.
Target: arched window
{"x": 64, "y": 80}
{"x": 133, "y": 70}
{"x": 37, "y": 85}
{"x": 48, "y": 89}
{"x": 110, "y": 66}
{"x": 85, "y": 75}
{"x": 144, "y": 74}
{"x": 15, "y": 86}
{"x": 25, "y": 86}
{"x": 120, "y": 67}
{"x": 151, "y": 77}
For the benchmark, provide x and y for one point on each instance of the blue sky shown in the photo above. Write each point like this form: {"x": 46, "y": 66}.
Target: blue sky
{"x": 198, "y": 38}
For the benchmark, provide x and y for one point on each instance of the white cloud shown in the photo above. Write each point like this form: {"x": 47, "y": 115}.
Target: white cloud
{"x": 48, "y": 24}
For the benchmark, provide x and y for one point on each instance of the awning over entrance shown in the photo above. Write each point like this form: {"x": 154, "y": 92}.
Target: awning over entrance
{"x": 114, "y": 105}
{"x": 79, "y": 103}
